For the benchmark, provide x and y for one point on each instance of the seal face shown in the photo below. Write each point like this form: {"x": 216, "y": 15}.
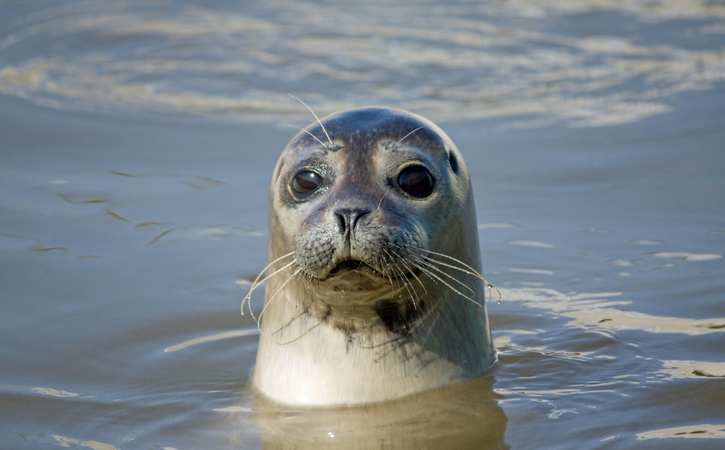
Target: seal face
{"x": 373, "y": 231}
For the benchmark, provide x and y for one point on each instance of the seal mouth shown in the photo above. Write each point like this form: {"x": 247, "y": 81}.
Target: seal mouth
{"x": 351, "y": 264}
{"x": 356, "y": 265}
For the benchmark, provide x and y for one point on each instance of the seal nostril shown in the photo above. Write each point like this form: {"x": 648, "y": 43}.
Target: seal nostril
{"x": 342, "y": 223}
{"x": 348, "y": 219}
{"x": 355, "y": 218}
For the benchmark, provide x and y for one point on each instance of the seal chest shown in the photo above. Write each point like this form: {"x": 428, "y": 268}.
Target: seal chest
{"x": 373, "y": 289}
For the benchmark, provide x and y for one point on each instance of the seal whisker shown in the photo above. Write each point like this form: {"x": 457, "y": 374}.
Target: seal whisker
{"x": 281, "y": 288}
{"x": 386, "y": 273}
{"x": 304, "y": 333}
{"x": 256, "y": 285}
{"x": 412, "y": 272}
{"x": 423, "y": 269}
{"x": 289, "y": 323}
{"x": 431, "y": 274}
{"x": 399, "y": 274}
{"x": 332, "y": 145}
{"x": 302, "y": 129}
{"x": 472, "y": 270}
{"x": 297, "y": 316}
{"x": 256, "y": 282}
{"x": 390, "y": 342}
{"x": 385, "y": 261}
{"x": 432, "y": 266}
{"x": 406, "y": 136}
{"x": 381, "y": 200}
{"x": 474, "y": 273}
{"x": 310, "y": 279}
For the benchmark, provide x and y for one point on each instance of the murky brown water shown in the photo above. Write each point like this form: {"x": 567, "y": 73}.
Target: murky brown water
{"x": 136, "y": 144}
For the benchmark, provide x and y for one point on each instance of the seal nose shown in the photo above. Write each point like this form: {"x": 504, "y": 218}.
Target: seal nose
{"x": 348, "y": 219}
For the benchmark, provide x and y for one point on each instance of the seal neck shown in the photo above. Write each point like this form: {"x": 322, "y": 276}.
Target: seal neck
{"x": 304, "y": 360}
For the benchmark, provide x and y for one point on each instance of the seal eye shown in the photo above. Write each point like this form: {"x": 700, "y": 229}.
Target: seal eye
{"x": 306, "y": 182}
{"x": 416, "y": 181}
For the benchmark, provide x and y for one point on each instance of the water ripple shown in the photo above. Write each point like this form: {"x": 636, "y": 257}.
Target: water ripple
{"x": 466, "y": 61}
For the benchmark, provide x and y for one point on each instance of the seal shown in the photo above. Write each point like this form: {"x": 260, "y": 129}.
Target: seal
{"x": 373, "y": 289}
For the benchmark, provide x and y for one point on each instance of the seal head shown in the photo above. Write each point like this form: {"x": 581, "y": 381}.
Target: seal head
{"x": 373, "y": 226}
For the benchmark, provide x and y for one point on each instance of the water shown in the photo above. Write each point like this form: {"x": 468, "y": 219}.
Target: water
{"x": 137, "y": 143}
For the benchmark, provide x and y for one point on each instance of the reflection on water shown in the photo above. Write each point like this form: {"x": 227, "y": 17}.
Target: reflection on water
{"x": 596, "y": 311}
{"x": 693, "y": 369}
{"x": 687, "y": 256}
{"x": 55, "y": 440}
{"x": 692, "y": 431}
{"x": 477, "y": 60}
{"x": 138, "y": 140}
{"x": 216, "y": 337}
{"x": 464, "y": 416}
{"x": 54, "y": 392}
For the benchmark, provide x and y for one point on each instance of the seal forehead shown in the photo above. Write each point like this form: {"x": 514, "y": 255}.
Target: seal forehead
{"x": 362, "y": 129}
{"x": 372, "y": 120}
{"x": 366, "y": 125}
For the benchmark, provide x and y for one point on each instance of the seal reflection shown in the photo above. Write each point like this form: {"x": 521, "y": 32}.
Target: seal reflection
{"x": 462, "y": 416}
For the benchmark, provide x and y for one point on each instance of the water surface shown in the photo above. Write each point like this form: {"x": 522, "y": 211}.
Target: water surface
{"x": 137, "y": 141}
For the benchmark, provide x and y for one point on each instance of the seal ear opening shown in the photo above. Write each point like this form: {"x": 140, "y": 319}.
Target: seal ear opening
{"x": 453, "y": 162}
